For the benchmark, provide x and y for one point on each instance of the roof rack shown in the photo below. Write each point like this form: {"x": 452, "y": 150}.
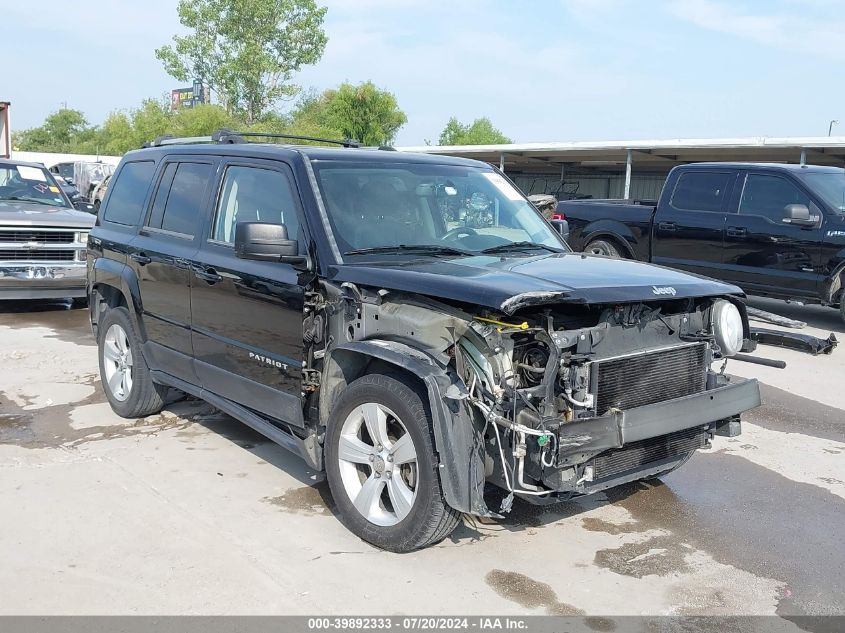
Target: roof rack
{"x": 229, "y": 137}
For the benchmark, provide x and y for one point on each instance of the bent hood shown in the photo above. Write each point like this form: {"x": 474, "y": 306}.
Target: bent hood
{"x": 15, "y": 213}
{"x": 510, "y": 284}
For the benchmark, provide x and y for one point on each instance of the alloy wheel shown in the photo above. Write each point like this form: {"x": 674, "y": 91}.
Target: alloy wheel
{"x": 378, "y": 464}
{"x": 117, "y": 362}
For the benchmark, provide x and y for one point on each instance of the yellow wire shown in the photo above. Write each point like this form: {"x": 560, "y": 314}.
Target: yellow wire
{"x": 518, "y": 326}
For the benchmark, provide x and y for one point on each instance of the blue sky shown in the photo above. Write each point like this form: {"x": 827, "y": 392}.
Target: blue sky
{"x": 550, "y": 70}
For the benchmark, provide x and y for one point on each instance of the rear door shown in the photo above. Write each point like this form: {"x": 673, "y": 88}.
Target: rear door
{"x": 762, "y": 252}
{"x": 247, "y": 315}
{"x": 688, "y": 228}
{"x": 161, "y": 256}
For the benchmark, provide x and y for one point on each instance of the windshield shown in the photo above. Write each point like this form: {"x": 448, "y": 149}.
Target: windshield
{"x": 416, "y": 210}
{"x": 24, "y": 183}
{"x": 65, "y": 170}
{"x": 829, "y": 186}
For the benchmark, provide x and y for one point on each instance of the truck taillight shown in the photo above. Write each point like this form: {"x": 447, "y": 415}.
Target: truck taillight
{"x": 558, "y": 216}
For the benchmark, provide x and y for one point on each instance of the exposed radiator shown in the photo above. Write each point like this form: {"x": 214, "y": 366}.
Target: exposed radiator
{"x": 635, "y": 455}
{"x": 641, "y": 379}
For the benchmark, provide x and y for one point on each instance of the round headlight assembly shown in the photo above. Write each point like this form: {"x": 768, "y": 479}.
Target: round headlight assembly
{"x": 726, "y": 322}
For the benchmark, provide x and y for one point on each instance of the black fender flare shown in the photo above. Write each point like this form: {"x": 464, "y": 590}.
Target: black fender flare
{"x": 458, "y": 435}
{"x": 617, "y": 231}
{"x": 117, "y": 275}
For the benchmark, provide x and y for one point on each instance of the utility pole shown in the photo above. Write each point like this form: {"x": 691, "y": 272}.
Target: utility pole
{"x": 830, "y": 127}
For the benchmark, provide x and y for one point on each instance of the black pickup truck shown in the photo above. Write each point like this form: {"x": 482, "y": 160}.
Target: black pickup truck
{"x": 774, "y": 230}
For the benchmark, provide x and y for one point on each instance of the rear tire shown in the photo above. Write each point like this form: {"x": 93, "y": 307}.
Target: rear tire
{"x": 385, "y": 481}
{"x": 842, "y": 305}
{"x": 124, "y": 373}
{"x": 607, "y": 248}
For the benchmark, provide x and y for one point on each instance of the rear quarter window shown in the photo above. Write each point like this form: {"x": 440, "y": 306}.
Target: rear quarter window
{"x": 701, "y": 191}
{"x": 128, "y": 192}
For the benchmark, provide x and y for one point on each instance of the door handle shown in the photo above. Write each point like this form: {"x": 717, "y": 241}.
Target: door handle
{"x": 667, "y": 226}
{"x": 209, "y": 275}
{"x": 141, "y": 258}
{"x": 737, "y": 231}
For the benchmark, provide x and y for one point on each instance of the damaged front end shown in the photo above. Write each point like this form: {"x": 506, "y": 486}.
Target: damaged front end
{"x": 543, "y": 398}
{"x": 579, "y": 398}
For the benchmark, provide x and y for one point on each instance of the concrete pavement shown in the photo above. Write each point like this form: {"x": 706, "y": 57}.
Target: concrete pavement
{"x": 190, "y": 512}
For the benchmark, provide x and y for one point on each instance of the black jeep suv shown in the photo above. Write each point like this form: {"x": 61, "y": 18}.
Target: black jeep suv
{"x": 408, "y": 323}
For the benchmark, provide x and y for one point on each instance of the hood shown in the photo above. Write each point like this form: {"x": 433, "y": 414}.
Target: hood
{"x": 510, "y": 284}
{"x": 16, "y": 213}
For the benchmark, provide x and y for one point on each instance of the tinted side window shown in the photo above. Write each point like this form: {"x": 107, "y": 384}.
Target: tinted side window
{"x": 700, "y": 191}
{"x": 160, "y": 199}
{"x": 128, "y": 192}
{"x": 769, "y": 195}
{"x": 252, "y": 194}
{"x": 184, "y": 202}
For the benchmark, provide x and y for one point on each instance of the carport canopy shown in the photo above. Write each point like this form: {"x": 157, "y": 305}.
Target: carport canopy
{"x": 649, "y": 155}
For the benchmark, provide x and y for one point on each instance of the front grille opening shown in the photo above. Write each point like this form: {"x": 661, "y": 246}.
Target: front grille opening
{"x": 38, "y": 255}
{"x": 42, "y": 237}
{"x": 638, "y": 455}
{"x": 642, "y": 379}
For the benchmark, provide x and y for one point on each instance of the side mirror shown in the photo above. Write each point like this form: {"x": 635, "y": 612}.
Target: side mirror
{"x": 266, "y": 242}
{"x": 562, "y": 227}
{"x": 799, "y": 214}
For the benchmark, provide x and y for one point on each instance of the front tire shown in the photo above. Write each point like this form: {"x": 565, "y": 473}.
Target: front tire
{"x": 603, "y": 247}
{"x": 842, "y": 305}
{"x": 124, "y": 373}
{"x": 381, "y": 466}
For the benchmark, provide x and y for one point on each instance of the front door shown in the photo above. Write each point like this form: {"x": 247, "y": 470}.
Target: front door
{"x": 762, "y": 252}
{"x": 688, "y": 228}
{"x": 247, "y": 315}
{"x": 161, "y": 255}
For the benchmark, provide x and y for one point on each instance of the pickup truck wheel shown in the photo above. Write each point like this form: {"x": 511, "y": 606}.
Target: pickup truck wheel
{"x": 381, "y": 466}
{"x": 842, "y": 306}
{"x": 123, "y": 371}
{"x": 603, "y": 247}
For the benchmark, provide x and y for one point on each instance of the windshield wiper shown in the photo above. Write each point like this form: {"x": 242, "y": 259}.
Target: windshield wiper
{"x": 411, "y": 249}
{"x": 520, "y": 246}
{"x": 33, "y": 200}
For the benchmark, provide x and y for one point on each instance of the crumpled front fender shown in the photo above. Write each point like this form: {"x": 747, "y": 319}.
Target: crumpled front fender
{"x": 457, "y": 432}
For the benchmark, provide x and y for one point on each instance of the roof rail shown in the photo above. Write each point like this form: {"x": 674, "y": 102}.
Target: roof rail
{"x": 224, "y": 136}
{"x": 229, "y": 137}
{"x": 169, "y": 139}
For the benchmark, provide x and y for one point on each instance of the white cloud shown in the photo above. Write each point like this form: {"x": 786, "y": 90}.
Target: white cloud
{"x": 467, "y": 66}
{"x": 786, "y": 31}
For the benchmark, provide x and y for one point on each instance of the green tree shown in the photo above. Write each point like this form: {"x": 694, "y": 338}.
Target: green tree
{"x": 364, "y": 113}
{"x": 153, "y": 119}
{"x": 311, "y": 117}
{"x": 247, "y": 51}
{"x": 62, "y": 131}
{"x": 202, "y": 120}
{"x": 479, "y": 132}
{"x": 117, "y": 136}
